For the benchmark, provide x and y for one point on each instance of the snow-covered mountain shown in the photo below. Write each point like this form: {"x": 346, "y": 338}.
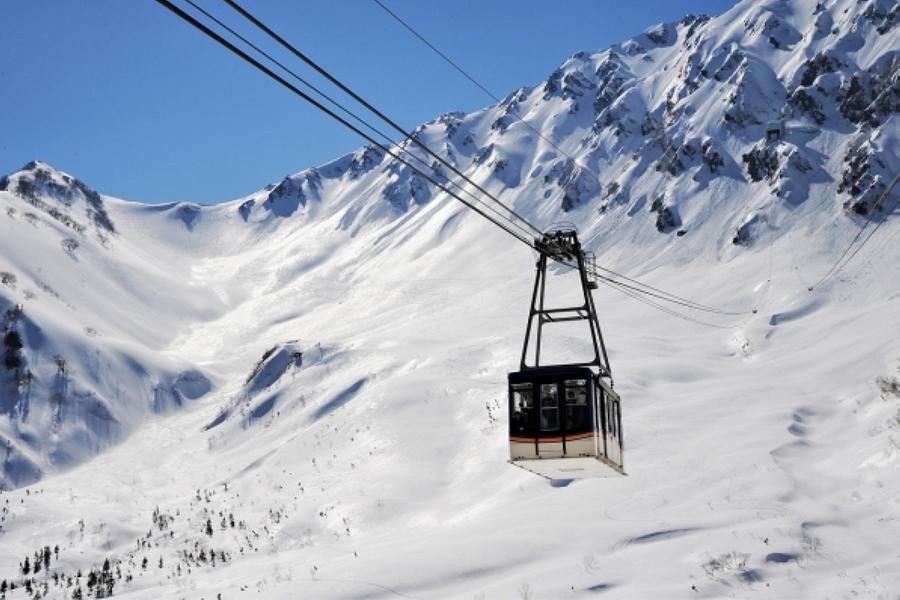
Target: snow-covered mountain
{"x": 309, "y": 381}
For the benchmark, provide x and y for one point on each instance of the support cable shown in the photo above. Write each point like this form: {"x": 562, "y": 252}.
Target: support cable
{"x": 345, "y": 110}
{"x": 665, "y": 309}
{"x": 864, "y": 242}
{"x": 252, "y": 61}
{"x": 639, "y": 293}
{"x": 666, "y": 298}
{"x": 290, "y": 48}
{"x": 664, "y": 295}
{"x": 480, "y": 86}
{"x": 834, "y": 268}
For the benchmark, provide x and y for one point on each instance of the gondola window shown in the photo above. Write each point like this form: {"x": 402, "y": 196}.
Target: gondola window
{"x": 611, "y": 420}
{"x": 522, "y": 408}
{"x": 576, "y": 405}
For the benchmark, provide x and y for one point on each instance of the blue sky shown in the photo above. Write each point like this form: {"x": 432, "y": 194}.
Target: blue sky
{"x": 130, "y": 99}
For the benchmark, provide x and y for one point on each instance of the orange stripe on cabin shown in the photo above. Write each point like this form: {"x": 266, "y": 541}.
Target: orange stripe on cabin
{"x": 552, "y": 440}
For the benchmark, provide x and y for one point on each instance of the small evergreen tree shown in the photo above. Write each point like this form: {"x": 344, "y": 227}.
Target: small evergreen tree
{"x": 13, "y": 343}
{"x": 106, "y": 581}
{"x": 13, "y": 340}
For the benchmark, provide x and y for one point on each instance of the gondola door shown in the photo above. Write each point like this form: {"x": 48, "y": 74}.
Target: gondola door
{"x": 550, "y": 438}
{"x": 612, "y": 426}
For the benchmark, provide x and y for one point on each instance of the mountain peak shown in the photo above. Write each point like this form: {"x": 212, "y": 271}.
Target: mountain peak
{"x": 58, "y": 195}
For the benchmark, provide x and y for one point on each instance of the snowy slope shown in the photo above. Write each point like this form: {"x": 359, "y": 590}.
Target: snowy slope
{"x": 323, "y": 362}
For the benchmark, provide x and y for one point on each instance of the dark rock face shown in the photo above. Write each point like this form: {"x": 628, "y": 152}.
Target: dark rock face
{"x": 744, "y": 234}
{"x": 499, "y": 165}
{"x": 712, "y": 158}
{"x": 883, "y": 15}
{"x": 286, "y": 189}
{"x": 364, "y": 161}
{"x": 663, "y": 34}
{"x": 451, "y": 122}
{"x": 734, "y": 58}
{"x": 853, "y": 101}
{"x": 761, "y": 162}
{"x": 779, "y": 34}
{"x": 291, "y": 193}
{"x": 678, "y": 158}
{"x": 803, "y": 102}
{"x": 509, "y": 106}
{"x": 787, "y": 168}
{"x": 502, "y": 123}
{"x": 246, "y": 208}
{"x": 407, "y": 190}
{"x": 856, "y": 169}
{"x": 614, "y": 196}
{"x": 578, "y": 184}
{"x": 566, "y": 85}
{"x": 667, "y": 217}
{"x": 869, "y": 97}
{"x": 613, "y": 77}
{"x": 691, "y": 77}
{"x": 692, "y": 23}
{"x": 866, "y": 178}
{"x": 437, "y": 173}
{"x": 41, "y": 187}
{"x": 819, "y": 64}
{"x": 483, "y": 155}
{"x": 189, "y": 214}
{"x": 755, "y": 98}
{"x": 650, "y": 125}
{"x": 97, "y": 211}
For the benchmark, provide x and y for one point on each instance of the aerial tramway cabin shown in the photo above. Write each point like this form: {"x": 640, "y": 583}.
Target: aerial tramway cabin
{"x": 564, "y": 413}
{"x": 565, "y": 421}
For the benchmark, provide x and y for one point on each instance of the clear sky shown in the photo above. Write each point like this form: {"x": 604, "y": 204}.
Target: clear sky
{"x": 130, "y": 99}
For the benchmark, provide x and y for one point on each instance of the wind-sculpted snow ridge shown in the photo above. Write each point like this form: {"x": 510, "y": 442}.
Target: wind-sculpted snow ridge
{"x": 300, "y": 393}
